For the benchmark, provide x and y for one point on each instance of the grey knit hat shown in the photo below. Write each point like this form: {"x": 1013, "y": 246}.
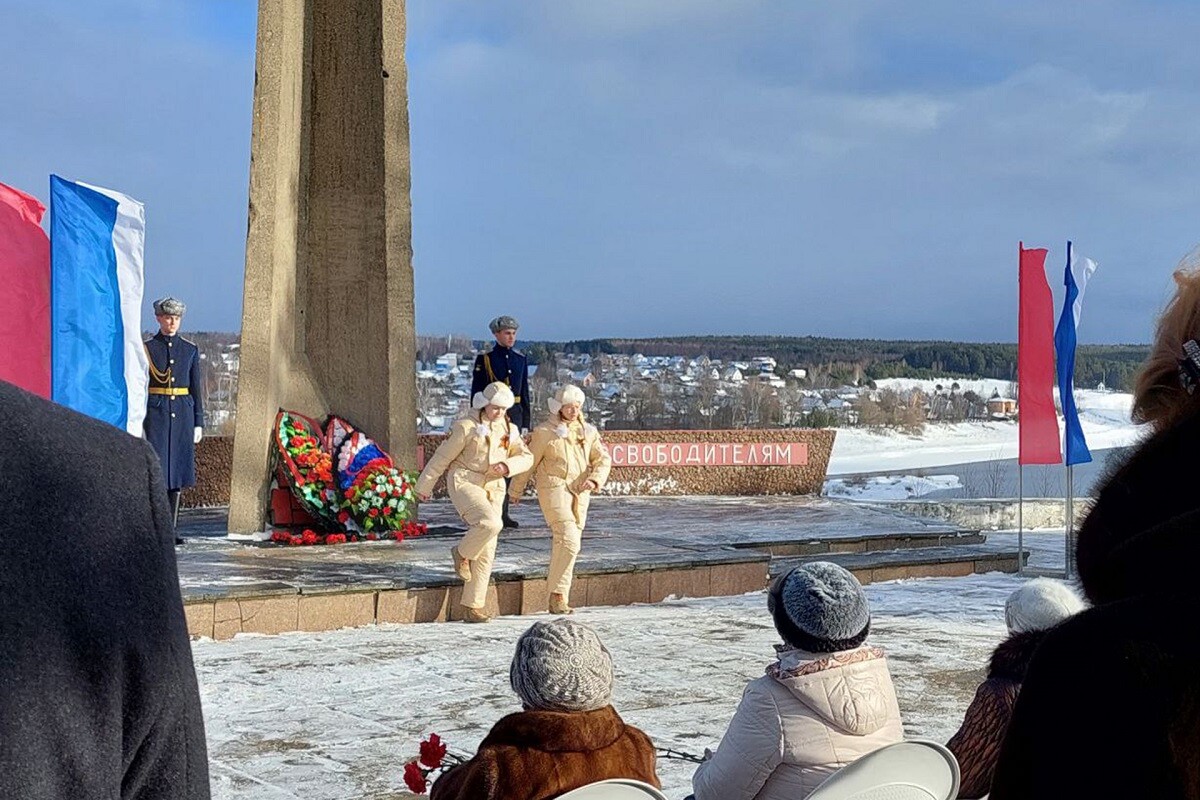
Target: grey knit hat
{"x": 170, "y": 307}
{"x": 503, "y": 323}
{"x": 561, "y": 665}
{"x": 820, "y": 607}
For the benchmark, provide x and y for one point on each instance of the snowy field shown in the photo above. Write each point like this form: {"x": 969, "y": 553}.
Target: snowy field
{"x": 1104, "y": 416}
{"x": 336, "y": 715}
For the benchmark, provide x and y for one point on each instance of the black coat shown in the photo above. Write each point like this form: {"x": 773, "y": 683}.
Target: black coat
{"x": 98, "y": 695}
{"x": 171, "y": 418}
{"x": 1110, "y": 707}
{"x": 506, "y": 365}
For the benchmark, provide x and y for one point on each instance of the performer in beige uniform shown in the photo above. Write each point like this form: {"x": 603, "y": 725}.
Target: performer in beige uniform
{"x": 481, "y": 451}
{"x": 570, "y": 463}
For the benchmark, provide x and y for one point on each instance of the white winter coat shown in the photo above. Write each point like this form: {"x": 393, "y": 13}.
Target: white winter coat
{"x": 810, "y": 715}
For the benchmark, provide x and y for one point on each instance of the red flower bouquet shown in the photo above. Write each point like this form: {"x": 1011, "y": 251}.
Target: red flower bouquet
{"x": 375, "y": 496}
{"x": 433, "y": 758}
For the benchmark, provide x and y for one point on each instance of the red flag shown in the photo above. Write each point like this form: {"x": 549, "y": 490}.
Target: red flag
{"x": 1035, "y": 363}
{"x": 25, "y": 297}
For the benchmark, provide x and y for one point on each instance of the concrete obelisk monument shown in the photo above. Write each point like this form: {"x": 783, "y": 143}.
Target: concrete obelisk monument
{"x": 328, "y": 321}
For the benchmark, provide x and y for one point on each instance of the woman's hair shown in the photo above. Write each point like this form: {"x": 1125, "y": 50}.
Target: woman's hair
{"x": 1159, "y": 397}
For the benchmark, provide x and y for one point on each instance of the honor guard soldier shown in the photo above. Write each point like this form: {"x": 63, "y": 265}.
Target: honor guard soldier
{"x": 505, "y": 364}
{"x": 174, "y": 408}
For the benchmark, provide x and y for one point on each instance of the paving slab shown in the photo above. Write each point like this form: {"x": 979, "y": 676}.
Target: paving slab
{"x": 624, "y": 535}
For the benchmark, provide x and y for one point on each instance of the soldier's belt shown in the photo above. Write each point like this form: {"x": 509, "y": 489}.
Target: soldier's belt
{"x": 171, "y": 392}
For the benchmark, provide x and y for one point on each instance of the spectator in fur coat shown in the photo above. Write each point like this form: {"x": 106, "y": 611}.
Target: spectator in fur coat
{"x": 1032, "y": 610}
{"x": 568, "y": 736}
{"x": 1110, "y": 706}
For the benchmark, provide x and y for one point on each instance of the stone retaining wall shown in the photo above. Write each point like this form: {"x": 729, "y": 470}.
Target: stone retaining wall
{"x": 214, "y": 462}
{"x": 999, "y": 514}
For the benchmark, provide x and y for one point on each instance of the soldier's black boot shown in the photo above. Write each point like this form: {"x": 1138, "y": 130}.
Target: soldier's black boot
{"x": 173, "y": 496}
{"x": 508, "y": 521}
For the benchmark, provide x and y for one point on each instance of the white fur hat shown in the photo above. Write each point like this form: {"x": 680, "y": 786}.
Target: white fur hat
{"x": 494, "y": 394}
{"x": 566, "y": 396}
{"x": 1040, "y": 604}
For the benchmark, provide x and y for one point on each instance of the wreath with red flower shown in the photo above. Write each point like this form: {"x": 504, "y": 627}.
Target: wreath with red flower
{"x": 307, "y": 465}
{"x": 366, "y": 498}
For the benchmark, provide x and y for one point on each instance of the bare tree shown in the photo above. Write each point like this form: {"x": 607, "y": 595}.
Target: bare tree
{"x": 993, "y": 476}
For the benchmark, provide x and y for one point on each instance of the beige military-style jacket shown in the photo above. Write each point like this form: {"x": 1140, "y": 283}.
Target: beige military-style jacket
{"x": 469, "y": 450}
{"x": 565, "y": 457}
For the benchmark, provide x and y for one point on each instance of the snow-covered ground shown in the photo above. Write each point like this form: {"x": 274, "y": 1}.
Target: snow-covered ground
{"x": 1104, "y": 416}
{"x": 889, "y": 487}
{"x": 336, "y": 715}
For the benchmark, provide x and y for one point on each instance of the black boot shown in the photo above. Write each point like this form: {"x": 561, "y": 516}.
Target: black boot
{"x": 173, "y": 496}
{"x": 508, "y": 521}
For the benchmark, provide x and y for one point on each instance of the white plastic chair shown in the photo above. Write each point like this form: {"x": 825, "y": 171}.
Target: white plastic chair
{"x": 615, "y": 789}
{"x": 914, "y": 770}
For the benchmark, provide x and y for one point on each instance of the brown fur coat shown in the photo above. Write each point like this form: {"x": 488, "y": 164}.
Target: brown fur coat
{"x": 977, "y": 743}
{"x": 538, "y": 755}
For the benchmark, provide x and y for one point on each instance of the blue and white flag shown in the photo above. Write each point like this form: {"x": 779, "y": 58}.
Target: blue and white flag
{"x": 98, "y": 364}
{"x": 1079, "y": 270}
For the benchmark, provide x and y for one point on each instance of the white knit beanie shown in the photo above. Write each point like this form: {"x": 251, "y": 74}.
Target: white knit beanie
{"x": 561, "y": 665}
{"x": 1040, "y": 604}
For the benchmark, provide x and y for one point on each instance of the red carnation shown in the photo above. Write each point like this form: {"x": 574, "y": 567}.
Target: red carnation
{"x": 353, "y": 537}
{"x": 374, "y": 512}
{"x": 414, "y": 778}
{"x": 295, "y": 540}
{"x": 433, "y": 750}
{"x": 309, "y": 537}
{"x": 343, "y": 517}
{"x": 372, "y": 537}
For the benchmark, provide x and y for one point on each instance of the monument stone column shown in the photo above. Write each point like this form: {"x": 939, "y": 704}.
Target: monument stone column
{"x": 328, "y": 318}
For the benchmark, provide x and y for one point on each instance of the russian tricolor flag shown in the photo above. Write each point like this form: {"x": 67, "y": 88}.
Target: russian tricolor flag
{"x": 98, "y": 362}
{"x": 1078, "y": 271}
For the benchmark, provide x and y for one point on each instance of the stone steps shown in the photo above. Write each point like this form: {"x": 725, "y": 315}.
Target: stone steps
{"x": 634, "y": 551}
{"x": 915, "y": 562}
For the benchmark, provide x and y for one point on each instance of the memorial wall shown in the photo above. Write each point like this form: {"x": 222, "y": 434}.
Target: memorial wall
{"x": 706, "y": 462}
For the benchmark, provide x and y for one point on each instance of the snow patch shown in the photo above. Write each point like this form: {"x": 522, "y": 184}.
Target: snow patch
{"x": 890, "y": 487}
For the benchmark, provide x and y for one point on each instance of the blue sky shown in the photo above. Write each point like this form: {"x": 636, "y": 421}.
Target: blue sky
{"x": 632, "y": 168}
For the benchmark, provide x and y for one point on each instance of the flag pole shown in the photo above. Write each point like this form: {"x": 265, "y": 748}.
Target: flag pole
{"x": 1020, "y": 516}
{"x": 1068, "y": 568}
{"x": 1020, "y": 422}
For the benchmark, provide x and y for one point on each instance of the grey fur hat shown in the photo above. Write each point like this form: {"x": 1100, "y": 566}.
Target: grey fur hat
{"x": 820, "y": 607}
{"x": 170, "y": 307}
{"x": 561, "y": 665}
{"x": 503, "y": 323}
